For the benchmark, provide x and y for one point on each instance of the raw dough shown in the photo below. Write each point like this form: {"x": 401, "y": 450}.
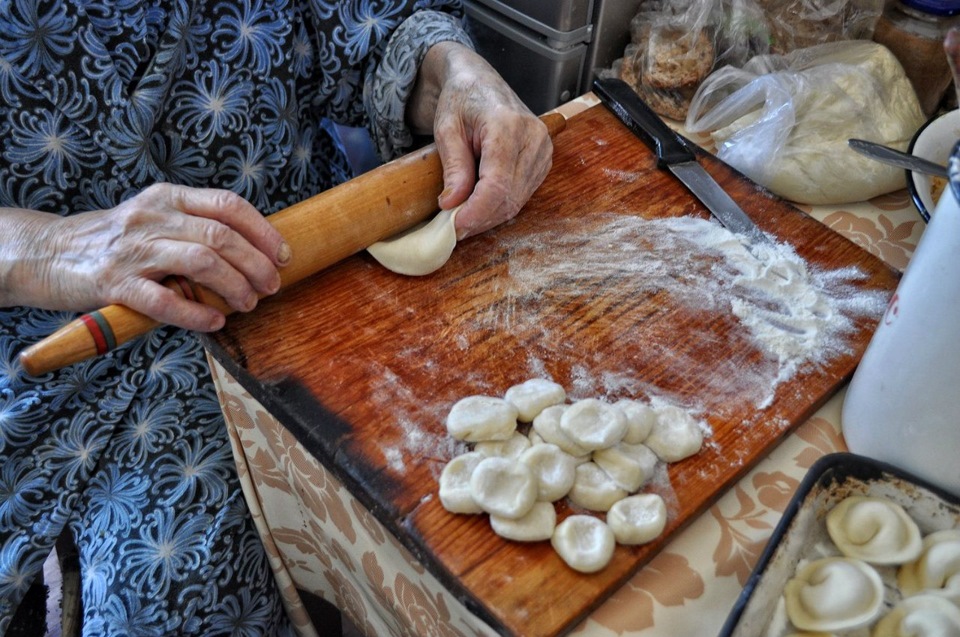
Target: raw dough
{"x": 629, "y": 465}
{"x": 555, "y": 470}
{"x": 937, "y": 570}
{"x": 593, "y": 424}
{"x": 420, "y": 250}
{"x": 874, "y": 530}
{"x": 479, "y": 418}
{"x": 535, "y": 526}
{"x": 920, "y": 616}
{"x": 503, "y": 487}
{"x": 675, "y": 435}
{"x": 512, "y": 447}
{"x": 585, "y": 543}
{"x": 547, "y": 425}
{"x": 834, "y": 593}
{"x": 533, "y": 396}
{"x": 637, "y": 519}
{"x": 593, "y": 489}
{"x": 640, "y": 420}
{"x": 455, "y": 493}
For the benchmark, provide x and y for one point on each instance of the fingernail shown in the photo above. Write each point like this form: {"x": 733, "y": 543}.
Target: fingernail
{"x": 443, "y": 195}
{"x": 284, "y": 253}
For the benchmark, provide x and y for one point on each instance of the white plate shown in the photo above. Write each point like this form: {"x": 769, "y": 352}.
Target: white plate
{"x": 934, "y": 141}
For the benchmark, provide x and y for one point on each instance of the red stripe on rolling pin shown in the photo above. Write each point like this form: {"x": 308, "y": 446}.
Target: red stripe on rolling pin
{"x": 99, "y": 339}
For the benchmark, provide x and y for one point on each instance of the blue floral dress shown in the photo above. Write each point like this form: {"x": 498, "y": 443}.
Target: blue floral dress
{"x": 99, "y": 99}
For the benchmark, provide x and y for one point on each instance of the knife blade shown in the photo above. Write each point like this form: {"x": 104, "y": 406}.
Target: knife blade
{"x": 897, "y": 158}
{"x": 674, "y": 155}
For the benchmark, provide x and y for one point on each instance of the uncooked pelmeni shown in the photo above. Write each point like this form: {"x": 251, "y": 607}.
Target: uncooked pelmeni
{"x": 584, "y": 543}
{"x": 420, "y": 250}
{"x": 593, "y": 489}
{"x": 920, "y": 616}
{"x": 503, "y": 487}
{"x": 455, "y": 493}
{"x": 547, "y": 426}
{"x": 512, "y": 447}
{"x": 479, "y": 418}
{"x": 533, "y": 396}
{"x": 637, "y": 519}
{"x": 874, "y": 530}
{"x": 937, "y": 570}
{"x": 640, "y": 420}
{"x": 833, "y": 594}
{"x": 630, "y": 466}
{"x": 593, "y": 424}
{"x": 675, "y": 435}
{"x": 535, "y": 526}
{"x": 554, "y": 470}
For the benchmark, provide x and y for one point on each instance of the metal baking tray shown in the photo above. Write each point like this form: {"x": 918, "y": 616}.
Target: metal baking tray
{"x": 802, "y": 535}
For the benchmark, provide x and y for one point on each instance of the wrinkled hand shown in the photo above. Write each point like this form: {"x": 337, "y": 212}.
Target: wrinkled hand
{"x": 477, "y": 117}
{"x": 212, "y": 237}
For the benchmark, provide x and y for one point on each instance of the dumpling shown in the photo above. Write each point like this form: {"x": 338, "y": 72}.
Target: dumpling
{"x": 874, "y": 530}
{"x": 593, "y": 424}
{"x": 538, "y": 524}
{"x": 503, "y": 487}
{"x": 638, "y": 519}
{"x": 920, "y": 616}
{"x": 833, "y": 593}
{"x": 533, "y": 396}
{"x": 937, "y": 570}
{"x": 554, "y": 470}
{"x": 594, "y": 489}
{"x": 455, "y": 493}
{"x": 585, "y": 543}
{"x": 478, "y": 418}
{"x": 675, "y": 434}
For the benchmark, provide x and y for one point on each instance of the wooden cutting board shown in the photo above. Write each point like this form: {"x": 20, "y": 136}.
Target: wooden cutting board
{"x": 362, "y": 365}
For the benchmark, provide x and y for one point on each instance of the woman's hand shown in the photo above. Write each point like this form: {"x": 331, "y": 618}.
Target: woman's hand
{"x": 89, "y": 260}
{"x": 473, "y": 116}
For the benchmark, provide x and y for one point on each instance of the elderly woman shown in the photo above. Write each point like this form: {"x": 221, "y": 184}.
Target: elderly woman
{"x": 144, "y": 138}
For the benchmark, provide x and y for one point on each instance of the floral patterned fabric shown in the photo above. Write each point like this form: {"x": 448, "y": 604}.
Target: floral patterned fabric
{"x": 98, "y": 99}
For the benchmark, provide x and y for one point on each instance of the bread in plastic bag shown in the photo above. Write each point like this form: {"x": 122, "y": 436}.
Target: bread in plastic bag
{"x": 784, "y": 120}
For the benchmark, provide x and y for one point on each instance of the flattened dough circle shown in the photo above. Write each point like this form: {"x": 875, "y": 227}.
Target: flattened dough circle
{"x": 420, "y": 250}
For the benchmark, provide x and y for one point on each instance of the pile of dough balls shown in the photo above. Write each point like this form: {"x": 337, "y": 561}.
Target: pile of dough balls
{"x": 846, "y": 592}
{"x": 595, "y": 453}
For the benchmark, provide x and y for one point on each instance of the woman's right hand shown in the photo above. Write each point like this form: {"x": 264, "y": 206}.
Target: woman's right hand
{"x": 89, "y": 260}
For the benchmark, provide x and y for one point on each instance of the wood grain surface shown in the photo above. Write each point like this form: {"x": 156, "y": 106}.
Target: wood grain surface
{"x": 362, "y": 365}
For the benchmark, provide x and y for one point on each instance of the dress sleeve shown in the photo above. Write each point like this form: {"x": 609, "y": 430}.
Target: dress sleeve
{"x": 388, "y": 86}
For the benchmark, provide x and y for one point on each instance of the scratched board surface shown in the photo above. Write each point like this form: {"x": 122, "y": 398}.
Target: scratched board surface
{"x": 362, "y": 365}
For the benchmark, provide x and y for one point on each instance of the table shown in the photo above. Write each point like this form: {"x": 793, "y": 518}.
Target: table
{"x": 323, "y": 539}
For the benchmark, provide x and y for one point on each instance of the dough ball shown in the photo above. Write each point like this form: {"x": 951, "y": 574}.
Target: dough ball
{"x": 937, "y": 570}
{"x": 874, "y": 530}
{"x": 535, "y": 526}
{"x": 512, "y": 447}
{"x": 638, "y": 519}
{"x": 593, "y": 424}
{"x": 593, "y": 489}
{"x": 547, "y": 426}
{"x": 479, "y": 418}
{"x": 455, "y": 493}
{"x": 584, "y": 543}
{"x": 675, "y": 435}
{"x": 533, "y": 396}
{"x": 640, "y": 420}
{"x": 630, "y": 466}
{"x": 554, "y": 470}
{"x": 503, "y": 487}
{"x": 420, "y": 250}
{"x": 920, "y": 616}
{"x": 832, "y": 594}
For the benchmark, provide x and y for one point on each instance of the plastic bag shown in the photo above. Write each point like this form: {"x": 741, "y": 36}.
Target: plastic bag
{"x": 784, "y": 120}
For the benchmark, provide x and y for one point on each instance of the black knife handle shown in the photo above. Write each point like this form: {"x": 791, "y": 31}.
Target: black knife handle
{"x": 624, "y": 102}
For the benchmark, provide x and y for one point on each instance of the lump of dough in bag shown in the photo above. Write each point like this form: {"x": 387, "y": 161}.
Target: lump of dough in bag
{"x": 535, "y": 526}
{"x": 503, "y": 487}
{"x": 547, "y": 426}
{"x": 420, "y": 250}
{"x": 593, "y": 489}
{"x": 629, "y": 465}
{"x": 512, "y": 447}
{"x": 584, "y": 543}
{"x": 937, "y": 570}
{"x": 479, "y": 418}
{"x": 675, "y": 435}
{"x": 920, "y": 616}
{"x": 637, "y": 519}
{"x": 533, "y": 396}
{"x": 640, "y": 420}
{"x": 455, "y": 493}
{"x": 554, "y": 470}
{"x": 833, "y": 594}
{"x": 874, "y": 530}
{"x": 593, "y": 424}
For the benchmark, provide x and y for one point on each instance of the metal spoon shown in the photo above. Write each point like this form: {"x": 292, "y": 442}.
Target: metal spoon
{"x": 897, "y": 158}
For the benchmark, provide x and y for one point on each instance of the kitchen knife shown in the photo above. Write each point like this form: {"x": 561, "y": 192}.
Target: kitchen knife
{"x": 675, "y": 156}
{"x": 897, "y": 158}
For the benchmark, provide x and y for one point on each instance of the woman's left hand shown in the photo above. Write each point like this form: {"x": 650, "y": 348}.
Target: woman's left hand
{"x": 476, "y": 118}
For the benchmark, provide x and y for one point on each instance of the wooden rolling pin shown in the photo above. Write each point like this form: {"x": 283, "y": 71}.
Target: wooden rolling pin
{"x": 321, "y": 231}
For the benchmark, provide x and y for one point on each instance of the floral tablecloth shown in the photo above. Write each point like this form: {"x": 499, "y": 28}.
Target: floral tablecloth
{"x": 323, "y": 540}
